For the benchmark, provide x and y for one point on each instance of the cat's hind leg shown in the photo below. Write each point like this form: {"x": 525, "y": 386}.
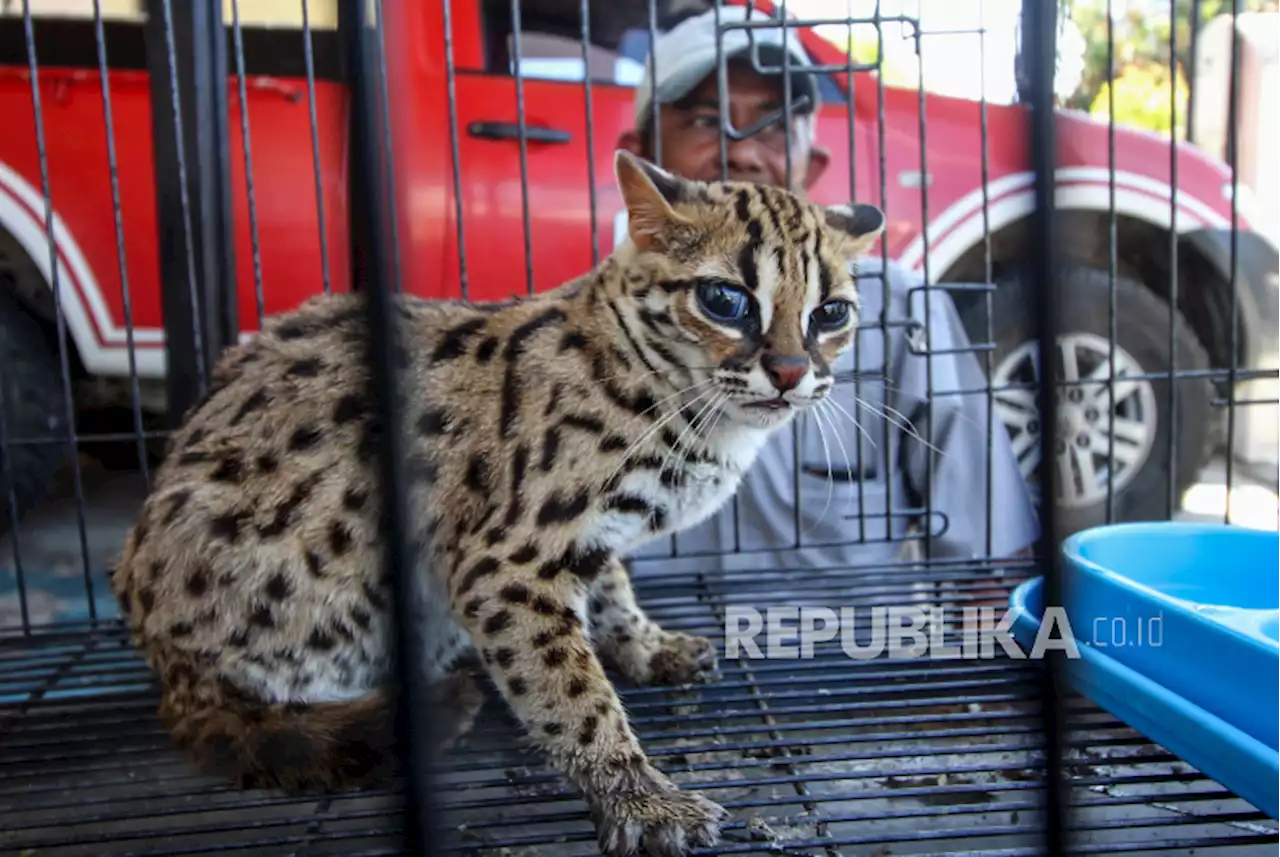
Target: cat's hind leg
{"x": 297, "y": 747}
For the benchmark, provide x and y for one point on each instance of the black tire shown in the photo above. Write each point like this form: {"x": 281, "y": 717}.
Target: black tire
{"x": 117, "y": 455}
{"x": 1142, "y": 332}
{"x": 31, "y": 396}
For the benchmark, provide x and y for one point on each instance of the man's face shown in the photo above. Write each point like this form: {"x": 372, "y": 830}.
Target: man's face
{"x": 690, "y": 134}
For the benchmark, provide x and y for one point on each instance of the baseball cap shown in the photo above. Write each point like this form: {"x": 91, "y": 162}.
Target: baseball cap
{"x": 686, "y": 54}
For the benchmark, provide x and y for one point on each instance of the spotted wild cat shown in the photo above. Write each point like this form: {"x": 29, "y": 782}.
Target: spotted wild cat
{"x": 562, "y": 431}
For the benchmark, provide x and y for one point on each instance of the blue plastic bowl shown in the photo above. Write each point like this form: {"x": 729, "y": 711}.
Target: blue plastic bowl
{"x": 1177, "y": 625}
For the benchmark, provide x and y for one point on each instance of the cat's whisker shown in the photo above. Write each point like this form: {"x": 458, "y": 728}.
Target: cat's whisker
{"x": 843, "y": 450}
{"x": 649, "y": 432}
{"x": 715, "y": 416}
{"x": 826, "y": 452}
{"x": 842, "y": 378}
{"x": 674, "y": 451}
{"x": 720, "y": 412}
{"x": 653, "y": 430}
{"x": 905, "y": 425}
{"x": 699, "y": 421}
{"x": 897, "y": 413}
{"x": 866, "y": 406}
{"x": 674, "y": 395}
{"x": 706, "y": 430}
{"x": 851, "y": 419}
{"x": 656, "y": 427}
{"x": 647, "y": 373}
{"x": 891, "y": 410}
{"x": 689, "y": 428}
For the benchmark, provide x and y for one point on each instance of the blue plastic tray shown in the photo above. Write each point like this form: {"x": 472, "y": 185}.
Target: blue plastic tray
{"x": 1176, "y": 626}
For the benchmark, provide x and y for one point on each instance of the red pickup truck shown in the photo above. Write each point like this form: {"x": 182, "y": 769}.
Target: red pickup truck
{"x": 531, "y": 225}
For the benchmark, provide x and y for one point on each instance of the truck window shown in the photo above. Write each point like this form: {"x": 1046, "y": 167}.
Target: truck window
{"x": 551, "y": 40}
{"x": 112, "y": 10}
{"x": 272, "y": 32}
{"x": 253, "y": 13}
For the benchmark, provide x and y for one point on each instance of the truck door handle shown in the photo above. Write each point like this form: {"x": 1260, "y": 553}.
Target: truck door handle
{"x": 511, "y": 131}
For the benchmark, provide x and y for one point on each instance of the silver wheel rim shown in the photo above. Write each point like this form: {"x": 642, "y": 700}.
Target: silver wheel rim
{"x": 1086, "y": 417}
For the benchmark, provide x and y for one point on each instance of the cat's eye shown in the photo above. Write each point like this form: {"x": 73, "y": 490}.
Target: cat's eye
{"x": 832, "y": 315}
{"x": 723, "y": 302}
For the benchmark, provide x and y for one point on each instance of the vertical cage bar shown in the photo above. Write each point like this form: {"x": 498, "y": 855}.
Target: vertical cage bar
{"x": 722, "y": 100}
{"x": 393, "y": 226}
{"x": 11, "y": 495}
{"x": 414, "y": 720}
{"x": 307, "y": 51}
{"x": 126, "y": 296}
{"x": 1193, "y": 47}
{"x": 64, "y": 359}
{"x": 251, "y": 195}
{"x": 1039, "y": 48}
{"x": 852, "y": 128}
{"x": 724, "y": 138}
{"x": 1233, "y": 161}
{"x": 523, "y": 128}
{"x": 1172, "y": 461}
{"x": 929, "y": 447}
{"x": 450, "y": 73}
{"x": 989, "y": 297}
{"x": 187, "y": 60}
{"x": 655, "y": 131}
{"x": 655, "y": 138}
{"x": 789, "y": 167}
{"x": 797, "y": 453}
{"x": 1113, "y": 261}
{"x": 885, "y": 301}
{"x": 591, "y": 132}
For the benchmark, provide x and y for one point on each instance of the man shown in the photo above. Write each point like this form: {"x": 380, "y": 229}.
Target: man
{"x": 882, "y": 475}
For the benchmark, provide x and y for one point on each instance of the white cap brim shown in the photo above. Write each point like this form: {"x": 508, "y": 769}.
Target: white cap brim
{"x": 687, "y": 54}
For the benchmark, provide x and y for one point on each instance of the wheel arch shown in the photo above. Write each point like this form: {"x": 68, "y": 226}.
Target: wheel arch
{"x": 1142, "y": 253}
{"x": 22, "y": 278}
{"x": 94, "y": 344}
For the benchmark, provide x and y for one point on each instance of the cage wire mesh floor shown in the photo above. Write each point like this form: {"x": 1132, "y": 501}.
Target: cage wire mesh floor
{"x": 816, "y": 756}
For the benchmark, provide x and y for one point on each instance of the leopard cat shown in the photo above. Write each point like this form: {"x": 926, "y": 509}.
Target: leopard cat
{"x": 547, "y": 437}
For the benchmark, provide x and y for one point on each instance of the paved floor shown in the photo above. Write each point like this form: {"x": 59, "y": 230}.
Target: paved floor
{"x": 53, "y": 541}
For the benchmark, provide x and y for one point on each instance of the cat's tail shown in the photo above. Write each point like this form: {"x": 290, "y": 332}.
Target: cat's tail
{"x": 297, "y": 747}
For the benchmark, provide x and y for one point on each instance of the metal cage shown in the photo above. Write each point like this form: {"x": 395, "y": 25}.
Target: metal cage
{"x": 813, "y": 755}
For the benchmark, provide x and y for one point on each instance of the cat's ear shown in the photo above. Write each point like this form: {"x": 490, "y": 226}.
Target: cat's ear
{"x": 858, "y": 225}
{"x": 649, "y": 193}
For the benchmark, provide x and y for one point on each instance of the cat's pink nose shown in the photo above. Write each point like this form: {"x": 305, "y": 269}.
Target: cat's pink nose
{"x": 785, "y": 371}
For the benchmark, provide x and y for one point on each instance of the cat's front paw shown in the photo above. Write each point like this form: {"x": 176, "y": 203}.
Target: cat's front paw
{"x": 683, "y": 659}
{"x": 650, "y": 815}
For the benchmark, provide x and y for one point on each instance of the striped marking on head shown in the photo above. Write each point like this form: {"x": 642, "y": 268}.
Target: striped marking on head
{"x": 739, "y": 268}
